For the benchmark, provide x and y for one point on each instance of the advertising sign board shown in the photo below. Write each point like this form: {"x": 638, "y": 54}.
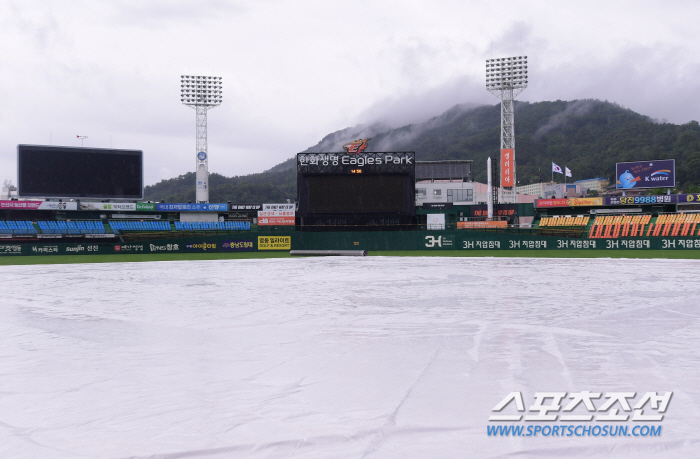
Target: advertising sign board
{"x": 237, "y": 245}
{"x": 501, "y": 210}
{"x": 435, "y": 221}
{"x": 507, "y": 167}
{"x": 646, "y": 174}
{"x": 39, "y": 205}
{"x": 276, "y": 214}
{"x": 121, "y": 207}
{"x": 274, "y": 243}
{"x": 189, "y": 207}
{"x": 483, "y": 224}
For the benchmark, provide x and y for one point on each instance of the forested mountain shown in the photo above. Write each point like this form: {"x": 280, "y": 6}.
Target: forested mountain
{"x": 587, "y": 136}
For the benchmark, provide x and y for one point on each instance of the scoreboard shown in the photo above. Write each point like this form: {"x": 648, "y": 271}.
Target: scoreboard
{"x": 339, "y": 189}
{"x": 49, "y": 171}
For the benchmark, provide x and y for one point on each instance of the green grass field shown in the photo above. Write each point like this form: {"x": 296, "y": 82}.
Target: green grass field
{"x": 133, "y": 258}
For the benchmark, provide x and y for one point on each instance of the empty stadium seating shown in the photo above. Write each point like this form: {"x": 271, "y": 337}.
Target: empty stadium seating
{"x": 17, "y": 227}
{"x": 641, "y": 225}
{"x": 71, "y": 227}
{"x": 212, "y": 226}
{"x": 119, "y": 226}
{"x": 614, "y": 226}
{"x": 567, "y": 220}
{"x": 675, "y": 225}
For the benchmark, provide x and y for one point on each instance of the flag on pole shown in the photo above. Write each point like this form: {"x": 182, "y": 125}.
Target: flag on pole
{"x": 556, "y": 168}
{"x": 568, "y": 171}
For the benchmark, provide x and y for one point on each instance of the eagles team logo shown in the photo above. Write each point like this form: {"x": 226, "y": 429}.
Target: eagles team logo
{"x": 356, "y": 146}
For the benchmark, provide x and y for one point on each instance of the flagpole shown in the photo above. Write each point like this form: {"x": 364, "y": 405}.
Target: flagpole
{"x": 564, "y": 174}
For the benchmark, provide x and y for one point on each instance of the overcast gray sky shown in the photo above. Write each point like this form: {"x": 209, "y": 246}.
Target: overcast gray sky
{"x": 294, "y": 71}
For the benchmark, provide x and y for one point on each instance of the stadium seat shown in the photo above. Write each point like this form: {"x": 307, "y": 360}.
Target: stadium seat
{"x": 17, "y": 227}
{"x": 119, "y": 226}
{"x": 72, "y": 227}
{"x": 212, "y": 226}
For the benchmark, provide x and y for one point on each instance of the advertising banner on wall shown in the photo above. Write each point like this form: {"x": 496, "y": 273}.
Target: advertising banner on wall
{"x": 274, "y": 243}
{"x": 639, "y": 200}
{"x": 237, "y": 245}
{"x": 10, "y": 249}
{"x": 435, "y": 221}
{"x": 113, "y": 206}
{"x": 201, "y": 246}
{"x": 267, "y": 221}
{"x": 574, "y": 202}
{"x": 620, "y": 200}
{"x": 486, "y": 224}
{"x": 646, "y": 174}
{"x": 507, "y": 167}
{"x": 686, "y": 198}
{"x": 189, "y": 207}
{"x": 276, "y": 214}
{"x": 502, "y": 210}
{"x": 569, "y": 202}
{"x": 437, "y": 205}
{"x": 38, "y": 205}
{"x": 550, "y": 202}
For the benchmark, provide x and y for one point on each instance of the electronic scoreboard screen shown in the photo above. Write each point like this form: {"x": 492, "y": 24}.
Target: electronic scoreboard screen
{"x": 366, "y": 189}
{"x": 356, "y": 193}
{"x": 72, "y": 172}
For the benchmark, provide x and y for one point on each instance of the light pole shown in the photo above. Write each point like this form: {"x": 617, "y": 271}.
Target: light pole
{"x": 201, "y": 93}
{"x": 82, "y": 138}
{"x": 506, "y": 78}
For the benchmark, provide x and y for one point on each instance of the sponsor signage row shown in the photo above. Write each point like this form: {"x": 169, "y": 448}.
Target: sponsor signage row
{"x": 144, "y": 206}
{"x": 620, "y": 200}
{"x": 118, "y": 206}
{"x": 425, "y": 240}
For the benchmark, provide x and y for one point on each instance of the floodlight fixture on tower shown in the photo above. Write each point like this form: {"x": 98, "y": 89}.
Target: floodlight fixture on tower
{"x": 506, "y": 78}
{"x": 201, "y": 93}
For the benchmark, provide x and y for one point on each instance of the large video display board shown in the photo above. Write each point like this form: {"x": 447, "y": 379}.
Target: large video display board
{"x": 357, "y": 188}
{"x": 646, "y": 174}
{"x": 71, "y": 172}
{"x": 356, "y": 193}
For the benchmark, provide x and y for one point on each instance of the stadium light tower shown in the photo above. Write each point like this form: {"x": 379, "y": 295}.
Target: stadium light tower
{"x": 201, "y": 93}
{"x": 506, "y": 78}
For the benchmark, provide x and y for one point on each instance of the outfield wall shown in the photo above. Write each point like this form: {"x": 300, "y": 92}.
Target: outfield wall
{"x": 361, "y": 240}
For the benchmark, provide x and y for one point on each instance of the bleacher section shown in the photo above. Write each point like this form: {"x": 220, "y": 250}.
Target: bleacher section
{"x": 215, "y": 226}
{"x": 121, "y": 226}
{"x": 675, "y": 225}
{"x": 578, "y": 220}
{"x": 17, "y": 227}
{"x": 642, "y": 225}
{"x": 72, "y": 227}
{"x": 614, "y": 226}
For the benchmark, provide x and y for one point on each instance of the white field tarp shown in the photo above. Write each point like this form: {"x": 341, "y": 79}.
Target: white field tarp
{"x": 352, "y": 357}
